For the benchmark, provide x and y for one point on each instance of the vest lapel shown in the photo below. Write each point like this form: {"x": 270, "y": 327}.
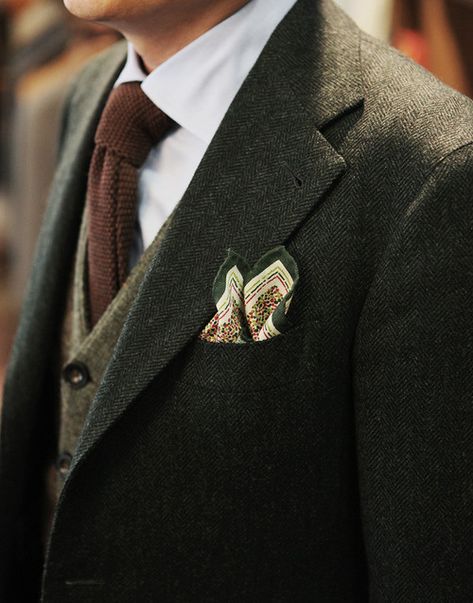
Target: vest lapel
{"x": 266, "y": 169}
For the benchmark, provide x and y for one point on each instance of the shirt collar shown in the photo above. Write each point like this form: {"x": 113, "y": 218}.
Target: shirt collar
{"x": 196, "y": 86}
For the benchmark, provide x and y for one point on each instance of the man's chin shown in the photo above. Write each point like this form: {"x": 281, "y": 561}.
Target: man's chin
{"x": 90, "y": 10}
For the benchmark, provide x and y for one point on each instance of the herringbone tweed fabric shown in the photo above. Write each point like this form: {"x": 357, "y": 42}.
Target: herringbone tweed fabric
{"x": 331, "y": 464}
{"x": 129, "y": 126}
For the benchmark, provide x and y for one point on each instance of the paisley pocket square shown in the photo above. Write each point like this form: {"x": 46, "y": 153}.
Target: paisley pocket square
{"x": 252, "y": 303}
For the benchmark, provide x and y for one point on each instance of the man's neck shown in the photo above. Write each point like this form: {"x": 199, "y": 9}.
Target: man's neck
{"x": 155, "y": 42}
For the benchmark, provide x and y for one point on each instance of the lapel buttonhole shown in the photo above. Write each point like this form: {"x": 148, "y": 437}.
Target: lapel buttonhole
{"x": 298, "y": 182}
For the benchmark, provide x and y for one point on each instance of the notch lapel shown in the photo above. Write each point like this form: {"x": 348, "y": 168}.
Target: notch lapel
{"x": 267, "y": 167}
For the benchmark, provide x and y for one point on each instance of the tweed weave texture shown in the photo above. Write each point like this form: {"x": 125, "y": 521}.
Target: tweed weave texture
{"x": 130, "y": 125}
{"x": 332, "y": 463}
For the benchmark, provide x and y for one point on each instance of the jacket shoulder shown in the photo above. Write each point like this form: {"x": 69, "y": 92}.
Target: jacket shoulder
{"x": 418, "y": 114}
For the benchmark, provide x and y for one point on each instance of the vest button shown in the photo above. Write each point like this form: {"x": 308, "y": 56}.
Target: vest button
{"x": 76, "y": 374}
{"x": 63, "y": 464}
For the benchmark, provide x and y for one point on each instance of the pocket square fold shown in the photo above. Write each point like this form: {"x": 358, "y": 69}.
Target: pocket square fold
{"x": 252, "y": 303}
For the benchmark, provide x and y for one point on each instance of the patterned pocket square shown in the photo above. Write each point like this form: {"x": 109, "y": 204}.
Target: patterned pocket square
{"x": 252, "y": 303}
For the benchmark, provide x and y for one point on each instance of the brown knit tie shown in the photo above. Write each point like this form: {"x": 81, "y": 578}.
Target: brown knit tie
{"x": 129, "y": 127}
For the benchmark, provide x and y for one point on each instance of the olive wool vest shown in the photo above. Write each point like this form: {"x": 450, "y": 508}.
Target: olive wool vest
{"x": 85, "y": 352}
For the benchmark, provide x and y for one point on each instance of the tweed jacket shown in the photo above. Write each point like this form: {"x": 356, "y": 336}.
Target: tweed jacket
{"x": 332, "y": 463}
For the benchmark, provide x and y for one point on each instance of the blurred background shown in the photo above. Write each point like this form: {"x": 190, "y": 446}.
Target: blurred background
{"x": 42, "y": 48}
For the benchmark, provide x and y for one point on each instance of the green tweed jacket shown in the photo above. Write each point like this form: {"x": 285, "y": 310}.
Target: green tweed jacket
{"x": 332, "y": 463}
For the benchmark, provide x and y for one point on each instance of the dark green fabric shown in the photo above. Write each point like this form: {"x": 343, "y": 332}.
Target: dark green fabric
{"x": 332, "y": 463}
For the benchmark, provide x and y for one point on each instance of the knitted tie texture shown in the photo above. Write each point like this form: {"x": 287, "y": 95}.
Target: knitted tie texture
{"x": 129, "y": 127}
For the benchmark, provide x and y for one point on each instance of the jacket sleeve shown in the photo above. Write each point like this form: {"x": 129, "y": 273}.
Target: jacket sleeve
{"x": 413, "y": 395}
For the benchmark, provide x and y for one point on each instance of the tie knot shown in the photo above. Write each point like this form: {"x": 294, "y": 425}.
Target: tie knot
{"x": 131, "y": 123}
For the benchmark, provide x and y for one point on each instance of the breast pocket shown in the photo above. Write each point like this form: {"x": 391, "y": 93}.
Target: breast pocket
{"x": 256, "y": 366}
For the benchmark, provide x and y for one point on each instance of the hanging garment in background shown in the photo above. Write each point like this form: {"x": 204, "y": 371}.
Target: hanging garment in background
{"x": 437, "y": 34}
{"x": 37, "y": 35}
{"x": 3, "y": 52}
{"x": 460, "y": 13}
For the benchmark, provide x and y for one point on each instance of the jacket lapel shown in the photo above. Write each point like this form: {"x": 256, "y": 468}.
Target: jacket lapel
{"x": 267, "y": 167}
{"x": 31, "y": 359}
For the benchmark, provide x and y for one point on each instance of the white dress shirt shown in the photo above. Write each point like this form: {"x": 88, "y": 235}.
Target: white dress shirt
{"x": 195, "y": 87}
